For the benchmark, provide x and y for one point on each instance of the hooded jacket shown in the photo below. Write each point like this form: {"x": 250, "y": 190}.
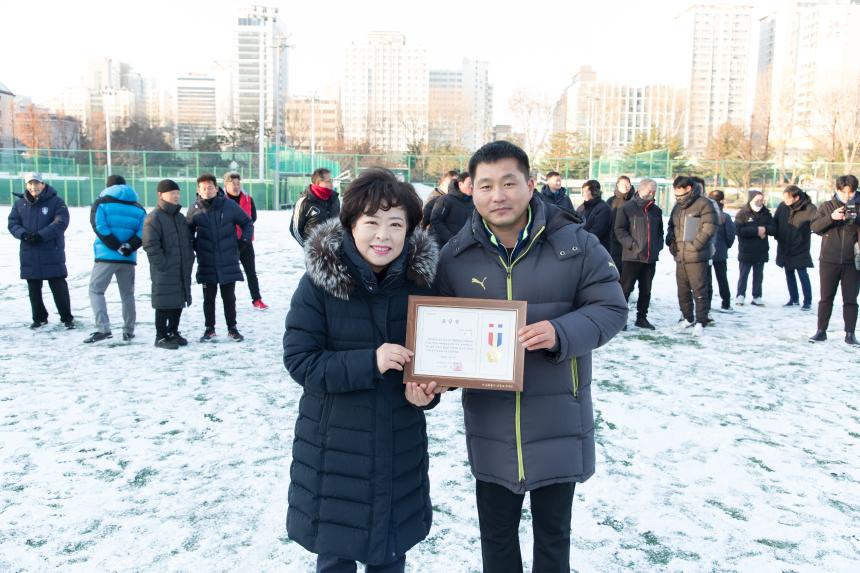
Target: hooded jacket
{"x": 838, "y": 237}
{"x": 116, "y": 218}
{"x": 167, "y": 243}
{"x": 543, "y": 435}
{"x": 752, "y": 248}
{"x": 213, "y": 228}
{"x": 700, "y": 213}
{"x": 792, "y": 229}
{"x": 359, "y": 486}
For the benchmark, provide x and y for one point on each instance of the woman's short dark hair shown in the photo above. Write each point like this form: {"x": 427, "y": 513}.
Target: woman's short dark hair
{"x": 375, "y": 189}
{"x": 846, "y": 181}
{"x": 319, "y": 174}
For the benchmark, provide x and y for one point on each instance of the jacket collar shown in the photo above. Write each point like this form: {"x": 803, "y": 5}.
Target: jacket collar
{"x": 334, "y": 264}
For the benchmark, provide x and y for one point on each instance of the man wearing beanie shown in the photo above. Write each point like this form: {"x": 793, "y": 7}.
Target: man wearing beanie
{"x": 117, "y": 219}
{"x": 233, "y": 189}
{"x": 213, "y": 219}
{"x": 753, "y": 223}
{"x": 318, "y": 203}
{"x": 167, "y": 243}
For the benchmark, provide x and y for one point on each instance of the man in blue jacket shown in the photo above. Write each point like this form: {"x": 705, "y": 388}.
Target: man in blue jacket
{"x": 117, "y": 220}
{"x": 540, "y": 440}
{"x": 39, "y": 219}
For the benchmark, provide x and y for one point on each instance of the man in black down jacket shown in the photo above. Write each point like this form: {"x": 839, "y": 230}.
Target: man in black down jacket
{"x": 723, "y": 241}
{"x": 837, "y": 224}
{"x": 692, "y": 225}
{"x": 440, "y": 190}
{"x": 596, "y": 214}
{"x": 319, "y": 203}
{"x": 540, "y": 440}
{"x": 623, "y": 193}
{"x": 791, "y": 223}
{"x": 39, "y": 219}
{"x": 639, "y": 229}
{"x": 213, "y": 220}
{"x": 554, "y": 193}
{"x": 167, "y": 243}
{"x": 451, "y": 211}
{"x": 753, "y": 223}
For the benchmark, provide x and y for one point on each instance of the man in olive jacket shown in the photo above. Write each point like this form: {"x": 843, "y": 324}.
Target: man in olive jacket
{"x": 692, "y": 226}
{"x": 540, "y": 440}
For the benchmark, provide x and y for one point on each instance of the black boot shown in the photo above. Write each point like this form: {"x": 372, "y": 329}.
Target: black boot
{"x": 851, "y": 339}
{"x": 642, "y": 322}
{"x": 819, "y": 336}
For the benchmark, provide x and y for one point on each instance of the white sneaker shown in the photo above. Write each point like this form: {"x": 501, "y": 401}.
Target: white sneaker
{"x": 683, "y": 325}
{"x": 726, "y": 310}
{"x": 740, "y": 299}
{"x": 757, "y": 302}
{"x": 698, "y": 330}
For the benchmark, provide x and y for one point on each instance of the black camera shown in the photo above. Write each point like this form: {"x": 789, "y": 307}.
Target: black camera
{"x": 851, "y": 212}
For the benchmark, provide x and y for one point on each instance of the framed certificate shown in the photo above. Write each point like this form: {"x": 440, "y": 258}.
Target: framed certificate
{"x": 465, "y": 342}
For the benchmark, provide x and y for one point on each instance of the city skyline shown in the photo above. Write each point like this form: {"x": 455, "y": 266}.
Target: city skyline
{"x": 167, "y": 48}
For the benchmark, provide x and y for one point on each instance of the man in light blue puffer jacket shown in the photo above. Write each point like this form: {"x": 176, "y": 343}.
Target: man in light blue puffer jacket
{"x": 117, "y": 219}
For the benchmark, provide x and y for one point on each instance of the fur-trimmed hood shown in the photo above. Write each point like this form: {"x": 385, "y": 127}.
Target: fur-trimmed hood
{"x": 328, "y": 269}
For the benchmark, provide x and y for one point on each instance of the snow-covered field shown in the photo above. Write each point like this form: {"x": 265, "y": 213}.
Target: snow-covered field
{"x": 736, "y": 452}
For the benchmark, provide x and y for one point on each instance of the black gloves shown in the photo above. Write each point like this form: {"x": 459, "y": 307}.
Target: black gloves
{"x": 125, "y": 250}
{"x": 32, "y": 238}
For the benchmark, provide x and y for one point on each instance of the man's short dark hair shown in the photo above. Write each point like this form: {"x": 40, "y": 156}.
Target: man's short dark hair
{"x": 319, "y": 174}
{"x": 495, "y": 151}
{"x": 378, "y": 188}
{"x": 793, "y": 190}
{"x": 207, "y": 177}
{"x": 683, "y": 181}
{"x": 846, "y": 181}
{"x": 717, "y": 196}
{"x": 115, "y": 180}
{"x": 593, "y": 185}
{"x": 450, "y": 174}
{"x": 553, "y": 174}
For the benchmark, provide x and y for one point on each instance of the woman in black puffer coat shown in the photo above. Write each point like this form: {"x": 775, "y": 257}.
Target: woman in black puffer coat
{"x": 359, "y": 487}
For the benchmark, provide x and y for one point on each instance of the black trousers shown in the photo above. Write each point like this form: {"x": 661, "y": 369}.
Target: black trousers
{"x": 499, "y": 511}
{"x": 166, "y": 321}
{"x": 791, "y": 281}
{"x": 693, "y": 280}
{"x": 722, "y": 275}
{"x": 644, "y": 273}
{"x": 228, "y": 297}
{"x": 831, "y": 276}
{"x": 59, "y": 290}
{"x": 758, "y": 278}
{"x": 249, "y": 265}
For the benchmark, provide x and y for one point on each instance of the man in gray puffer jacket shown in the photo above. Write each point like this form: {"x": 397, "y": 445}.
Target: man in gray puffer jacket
{"x": 540, "y": 440}
{"x": 692, "y": 226}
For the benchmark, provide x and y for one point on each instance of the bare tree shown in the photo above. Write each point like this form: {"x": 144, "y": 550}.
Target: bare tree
{"x": 33, "y": 128}
{"x": 839, "y": 114}
{"x": 297, "y": 125}
{"x": 535, "y": 119}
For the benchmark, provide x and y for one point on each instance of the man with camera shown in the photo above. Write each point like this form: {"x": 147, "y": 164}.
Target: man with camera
{"x": 837, "y": 225}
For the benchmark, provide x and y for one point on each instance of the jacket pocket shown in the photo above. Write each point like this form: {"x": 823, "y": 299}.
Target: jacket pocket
{"x": 574, "y": 376}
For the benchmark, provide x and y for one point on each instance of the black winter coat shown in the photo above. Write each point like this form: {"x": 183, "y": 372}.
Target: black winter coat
{"x": 450, "y": 212}
{"x": 167, "y": 243}
{"x": 639, "y": 229}
{"x": 792, "y": 229}
{"x": 359, "y": 485}
{"x": 428, "y": 206}
{"x": 693, "y": 210}
{"x": 48, "y": 216}
{"x": 598, "y": 220}
{"x": 751, "y": 248}
{"x": 560, "y": 199}
{"x": 725, "y": 236}
{"x": 838, "y": 237}
{"x": 618, "y": 201}
{"x": 309, "y": 211}
{"x": 213, "y": 230}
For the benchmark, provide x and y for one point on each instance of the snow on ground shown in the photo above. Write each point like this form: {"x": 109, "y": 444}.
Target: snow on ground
{"x": 736, "y": 452}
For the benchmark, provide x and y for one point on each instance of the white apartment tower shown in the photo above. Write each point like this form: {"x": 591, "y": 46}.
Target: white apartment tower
{"x": 260, "y": 65}
{"x": 713, "y": 49}
{"x": 461, "y": 106}
{"x": 195, "y": 109}
{"x": 384, "y": 92}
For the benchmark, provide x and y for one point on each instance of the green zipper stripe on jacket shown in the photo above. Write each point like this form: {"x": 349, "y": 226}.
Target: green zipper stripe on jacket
{"x": 521, "y": 470}
{"x": 574, "y": 371}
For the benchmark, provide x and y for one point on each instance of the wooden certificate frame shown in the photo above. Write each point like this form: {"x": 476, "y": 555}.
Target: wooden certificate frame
{"x": 465, "y": 342}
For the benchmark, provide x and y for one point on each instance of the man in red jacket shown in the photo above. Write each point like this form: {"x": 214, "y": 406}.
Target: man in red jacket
{"x": 233, "y": 188}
